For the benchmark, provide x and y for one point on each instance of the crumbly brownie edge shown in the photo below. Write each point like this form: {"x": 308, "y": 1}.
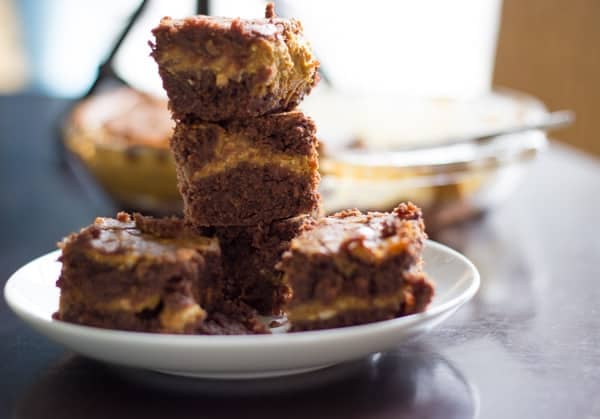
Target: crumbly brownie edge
{"x": 234, "y": 318}
{"x": 168, "y": 227}
{"x": 196, "y": 96}
{"x": 222, "y": 324}
{"x": 186, "y": 32}
{"x": 422, "y": 290}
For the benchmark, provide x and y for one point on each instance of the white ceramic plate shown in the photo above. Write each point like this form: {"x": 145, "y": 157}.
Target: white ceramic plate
{"x": 32, "y": 294}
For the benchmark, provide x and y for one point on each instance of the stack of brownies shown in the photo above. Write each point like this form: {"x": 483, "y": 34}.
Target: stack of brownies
{"x": 246, "y": 159}
{"x": 251, "y": 240}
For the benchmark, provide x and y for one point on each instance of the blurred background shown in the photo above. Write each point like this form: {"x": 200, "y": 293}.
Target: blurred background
{"x": 407, "y": 89}
{"x": 547, "y": 48}
{"x": 435, "y": 101}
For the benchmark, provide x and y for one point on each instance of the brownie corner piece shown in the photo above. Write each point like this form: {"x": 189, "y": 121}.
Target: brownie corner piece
{"x": 216, "y": 68}
{"x": 352, "y": 268}
{"x": 140, "y": 274}
{"x": 249, "y": 171}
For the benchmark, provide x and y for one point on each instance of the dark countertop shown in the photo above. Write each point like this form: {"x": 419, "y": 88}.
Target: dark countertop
{"x": 527, "y": 346}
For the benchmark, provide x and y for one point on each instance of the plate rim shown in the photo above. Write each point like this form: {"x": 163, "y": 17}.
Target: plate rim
{"x": 249, "y": 341}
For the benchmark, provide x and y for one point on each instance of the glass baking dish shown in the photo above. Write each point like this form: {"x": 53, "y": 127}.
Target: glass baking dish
{"x": 378, "y": 151}
{"x": 450, "y": 183}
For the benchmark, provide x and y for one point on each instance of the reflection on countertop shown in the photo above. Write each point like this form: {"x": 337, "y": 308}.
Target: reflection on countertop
{"x": 411, "y": 381}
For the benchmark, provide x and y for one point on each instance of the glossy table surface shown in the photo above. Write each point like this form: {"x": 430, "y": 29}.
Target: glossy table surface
{"x": 527, "y": 346}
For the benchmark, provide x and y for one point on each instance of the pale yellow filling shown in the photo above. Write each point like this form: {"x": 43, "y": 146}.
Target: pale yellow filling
{"x": 125, "y": 304}
{"x": 233, "y": 151}
{"x": 283, "y": 62}
{"x": 227, "y": 67}
{"x": 172, "y": 319}
{"x": 138, "y": 251}
{"x": 176, "y": 320}
{"x": 117, "y": 304}
{"x": 319, "y": 311}
{"x": 121, "y": 261}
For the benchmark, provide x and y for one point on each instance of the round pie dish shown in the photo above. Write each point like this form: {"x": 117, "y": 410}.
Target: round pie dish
{"x": 121, "y": 136}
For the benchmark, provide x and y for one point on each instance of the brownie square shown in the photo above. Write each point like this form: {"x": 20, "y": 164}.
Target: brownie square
{"x": 217, "y": 68}
{"x": 353, "y": 268}
{"x": 250, "y": 255}
{"x": 139, "y": 274}
{"x": 247, "y": 172}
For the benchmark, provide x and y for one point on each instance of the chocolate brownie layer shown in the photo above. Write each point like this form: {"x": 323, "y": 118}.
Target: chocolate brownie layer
{"x": 233, "y": 318}
{"x": 349, "y": 317}
{"x": 250, "y": 255}
{"x": 246, "y": 172}
{"x": 217, "y": 68}
{"x": 351, "y": 268}
{"x": 143, "y": 274}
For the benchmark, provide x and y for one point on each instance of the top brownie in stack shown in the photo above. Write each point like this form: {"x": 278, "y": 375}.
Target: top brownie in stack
{"x": 216, "y": 68}
{"x": 246, "y": 159}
